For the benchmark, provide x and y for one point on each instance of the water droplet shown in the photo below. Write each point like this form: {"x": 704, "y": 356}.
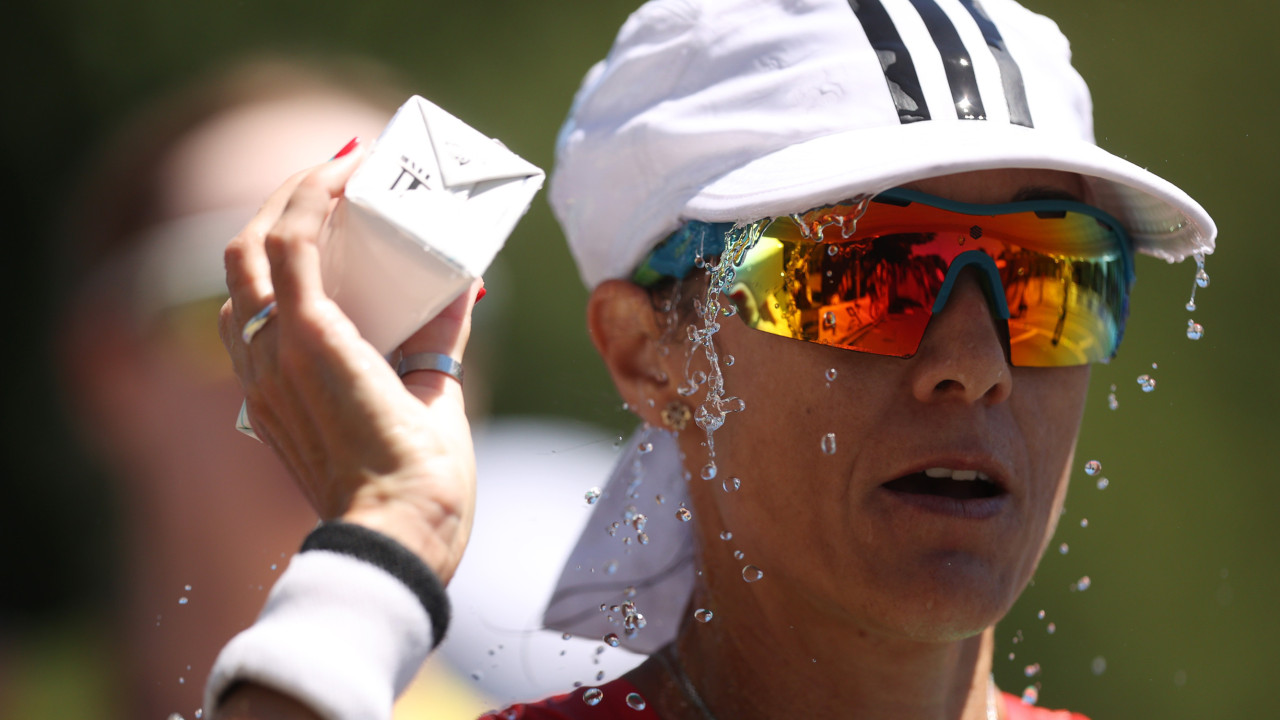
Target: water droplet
{"x": 640, "y": 522}
{"x": 182, "y": 681}
{"x": 1191, "y": 305}
{"x": 738, "y": 554}
{"x": 829, "y": 319}
{"x": 1099, "y": 665}
{"x": 1202, "y": 278}
{"x": 592, "y": 495}
{"x": 565, "y": 636}
{"x": 1040, "y": 614}
{"x": 1053, "y": 628}
{"x": 611, "y": 567}
{"x": 1031, "y": 670}
{"x": 175, "y": 716}
{"x": 731, "y": 484}
{"x": 1064, "y": 549}
{"x": 1011, "y": 657}
{"x": 199, "y": 713}
{"x": 1084, "y": 522}
{"x": 635, "y": 702}
{"x": 1083, "y": 583}
{"x": 1195, "y": 330}
{"x": 832, "y": 250}
{"x": 708, "y": 471}
{"x": 1147, "y": 383}
{"x": 728, "y": 359}
{"x": 1112, "y": 402}
{"x": 831, "y": 374}
{"x": 751, "y": 573}
{"x": 829, "y": 444}
{"x": 645, "y": 448}
{"x": 612, "y": 640}
{"x": 1103, "y": 483}
{"x": 683, "y": 515}
{"x": 1031, "y": 695}
{"x": 592, "y": 696}
{"x": 629, "y": 591}
{"x": 182, "y": 601}
{"x": 703, "y": 615}
{"x": 1093, "y": 467}
{"x": 726, "y": 535}
{"x": 187, "y": 588}
{"x": 643, "y": 538}
{"x": 660, "y": 499}
{"x": 273, "y": 566}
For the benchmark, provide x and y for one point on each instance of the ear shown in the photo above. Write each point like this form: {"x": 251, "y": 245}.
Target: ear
{"x": 624, "y": 329}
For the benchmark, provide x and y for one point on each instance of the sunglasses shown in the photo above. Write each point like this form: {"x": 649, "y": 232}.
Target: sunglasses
{"x": 868, "y": 275}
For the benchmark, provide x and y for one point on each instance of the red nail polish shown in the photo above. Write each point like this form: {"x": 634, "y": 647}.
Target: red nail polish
{"x": 480, "y": 295}
{"x": 346, "y": 149}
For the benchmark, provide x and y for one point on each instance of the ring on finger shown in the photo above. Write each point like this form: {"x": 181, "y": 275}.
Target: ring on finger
{"x": 257, "y": 322}
{"x": 435, "y": 362}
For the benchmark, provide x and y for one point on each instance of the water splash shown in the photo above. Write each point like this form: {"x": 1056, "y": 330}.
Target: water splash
{"x": 1201, "y": 281}
{"x": 829, "y": 444}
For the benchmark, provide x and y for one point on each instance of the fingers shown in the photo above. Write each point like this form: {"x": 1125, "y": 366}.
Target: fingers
{"x": 447, "y": 334}
{"x": 291, "y": 244}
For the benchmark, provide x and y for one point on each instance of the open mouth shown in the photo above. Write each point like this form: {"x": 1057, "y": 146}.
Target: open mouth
{"x": 947, "y": 483}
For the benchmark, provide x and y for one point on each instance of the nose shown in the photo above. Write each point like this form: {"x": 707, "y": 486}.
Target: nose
{"x": 962, "y": 355}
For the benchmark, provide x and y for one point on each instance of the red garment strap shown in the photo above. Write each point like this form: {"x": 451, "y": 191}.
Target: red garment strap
{"x": 1015, "y": 709}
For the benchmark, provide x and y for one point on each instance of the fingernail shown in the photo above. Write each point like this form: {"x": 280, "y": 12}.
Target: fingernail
{"x": 346, "y": 149}
{"x": 480, "y": 295}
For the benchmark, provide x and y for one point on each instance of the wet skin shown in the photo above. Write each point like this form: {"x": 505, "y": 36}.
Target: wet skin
{"x": 825, "y": 528}
{"x": 879, "y": 601}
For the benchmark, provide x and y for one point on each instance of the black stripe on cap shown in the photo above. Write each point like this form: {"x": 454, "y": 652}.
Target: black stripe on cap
{"x": 955, "y": 61}
{"x": 1015, "y": 93}
{"x": 895, "y": 61}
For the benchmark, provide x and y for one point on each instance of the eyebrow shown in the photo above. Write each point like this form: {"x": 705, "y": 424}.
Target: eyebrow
{"x": 1043, "y": 192}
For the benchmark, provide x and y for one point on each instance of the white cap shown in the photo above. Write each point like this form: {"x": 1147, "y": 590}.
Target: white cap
{"x": 736, "y": 110}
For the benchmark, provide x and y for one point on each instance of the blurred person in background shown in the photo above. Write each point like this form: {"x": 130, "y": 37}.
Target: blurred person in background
{"x": 146, "y": 386}
{"x": 153, "y": 395}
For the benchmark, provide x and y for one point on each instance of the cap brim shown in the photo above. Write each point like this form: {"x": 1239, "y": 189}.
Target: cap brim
{"x": 1163, "y": 220}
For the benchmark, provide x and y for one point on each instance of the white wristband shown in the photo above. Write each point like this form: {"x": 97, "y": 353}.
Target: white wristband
{"x": 341, "y": 635}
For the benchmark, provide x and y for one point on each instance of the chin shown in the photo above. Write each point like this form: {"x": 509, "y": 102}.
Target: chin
{"x": 948, "y": 604}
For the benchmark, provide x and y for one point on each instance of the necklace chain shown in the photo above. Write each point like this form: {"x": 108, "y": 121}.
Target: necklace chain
{"x": 675, "y": 669}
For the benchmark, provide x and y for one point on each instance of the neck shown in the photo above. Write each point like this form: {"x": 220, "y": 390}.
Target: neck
{"x": 753, "y": 661}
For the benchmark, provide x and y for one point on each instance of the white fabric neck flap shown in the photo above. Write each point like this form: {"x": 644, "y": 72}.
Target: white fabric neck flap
{"x": 634, "y": 550}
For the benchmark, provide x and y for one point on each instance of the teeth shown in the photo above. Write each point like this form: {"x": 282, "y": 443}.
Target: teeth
{"x": 941, "y": 472}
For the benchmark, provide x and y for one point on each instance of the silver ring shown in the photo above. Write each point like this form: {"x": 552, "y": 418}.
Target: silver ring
{"x": 257, "y": 322}
{"x": 436, "y": 362}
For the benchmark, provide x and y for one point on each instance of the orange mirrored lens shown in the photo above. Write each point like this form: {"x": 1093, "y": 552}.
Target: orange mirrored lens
{"x": 1059, "y": 280}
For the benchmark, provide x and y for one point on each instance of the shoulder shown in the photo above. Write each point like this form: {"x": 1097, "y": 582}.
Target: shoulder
{"x": 617, "y": 699}
{"x": 1015, "y": 709}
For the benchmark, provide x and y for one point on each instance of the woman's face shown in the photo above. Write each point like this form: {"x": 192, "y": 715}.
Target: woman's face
{"x": 861, "y": 533}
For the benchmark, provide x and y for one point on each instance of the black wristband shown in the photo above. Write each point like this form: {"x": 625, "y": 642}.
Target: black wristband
{"x": 377, "y": 549}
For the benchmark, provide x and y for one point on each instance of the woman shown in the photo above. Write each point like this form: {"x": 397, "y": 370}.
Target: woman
{"x": 909, "y": 194}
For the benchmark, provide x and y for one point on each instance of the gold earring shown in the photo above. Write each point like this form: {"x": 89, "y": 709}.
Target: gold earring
{"x": 676, "y": 415}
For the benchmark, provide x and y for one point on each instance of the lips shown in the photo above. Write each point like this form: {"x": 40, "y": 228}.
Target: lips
{"x": 957, "y": 492}
{"x": 948, "y": 483}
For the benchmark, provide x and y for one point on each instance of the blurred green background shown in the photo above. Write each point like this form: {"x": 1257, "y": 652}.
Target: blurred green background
{"x": 1180, "y": 548}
